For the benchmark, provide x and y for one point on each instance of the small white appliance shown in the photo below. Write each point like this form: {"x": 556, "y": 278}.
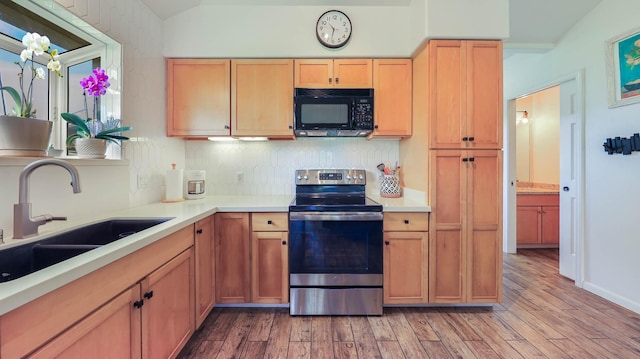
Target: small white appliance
{"x": 195, "y": 184}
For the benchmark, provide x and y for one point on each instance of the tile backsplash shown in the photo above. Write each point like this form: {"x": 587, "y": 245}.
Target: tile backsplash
{"x": 267, "y": 168}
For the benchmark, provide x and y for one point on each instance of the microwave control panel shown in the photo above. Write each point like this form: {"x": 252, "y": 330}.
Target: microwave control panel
{"x": 363, "y": 113}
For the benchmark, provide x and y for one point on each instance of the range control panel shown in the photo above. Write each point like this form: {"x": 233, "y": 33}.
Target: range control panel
{"x": 331, "y": 177}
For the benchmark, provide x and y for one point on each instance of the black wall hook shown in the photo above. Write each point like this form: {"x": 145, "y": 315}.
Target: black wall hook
{"x": 622, "y": 144}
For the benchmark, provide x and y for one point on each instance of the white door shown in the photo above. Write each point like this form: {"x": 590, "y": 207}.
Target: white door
{"x": 570, "y": 173}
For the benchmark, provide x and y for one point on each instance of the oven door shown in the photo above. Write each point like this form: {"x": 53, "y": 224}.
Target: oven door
{"x": 335, "y": 248}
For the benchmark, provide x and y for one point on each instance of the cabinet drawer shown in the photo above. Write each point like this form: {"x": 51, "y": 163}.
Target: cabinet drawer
{"x": 265, "y": 222}
{"x": 538, "y": 200}
{"x": 405, "y": 221}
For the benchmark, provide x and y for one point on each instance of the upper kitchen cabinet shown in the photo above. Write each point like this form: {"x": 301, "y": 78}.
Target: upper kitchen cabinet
{"x": 334, "y": 73}
{"x": 465, "y": 94}
{"x": 262, "y": 98}
{"x": 392, "y": 79}
{"x": 198, "y": 97}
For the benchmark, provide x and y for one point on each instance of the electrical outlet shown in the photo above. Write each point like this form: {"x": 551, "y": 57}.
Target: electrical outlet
{"x": 143, "y": 181}
{"x": 239, "y": 177}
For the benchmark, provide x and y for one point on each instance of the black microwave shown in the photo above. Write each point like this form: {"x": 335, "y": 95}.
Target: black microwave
{"x": 333, "y": 112}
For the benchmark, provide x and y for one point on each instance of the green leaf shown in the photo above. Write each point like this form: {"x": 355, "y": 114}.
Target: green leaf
{"x": 81, "y": 125}
{"x": 72, "y": 138}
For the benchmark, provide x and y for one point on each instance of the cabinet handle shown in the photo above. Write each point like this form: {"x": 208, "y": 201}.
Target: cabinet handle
{"x": 472, "y": 159}
{"x": 148, "y": 295}
{"x": 269, "y": 222}
{"x": 330, "y": 79}
{"x": 376, "y": 127}
{"x": 465, "y": 138}
{"x": 386, "y": 243}
{"x": 284, "y": 243}
{"x": 290, "y": 127}
{"x": 465, "y": 159}
{"x": 406, "y": 221}
{"x": 471, "y": 138}
{"x": 199, "y": 231}
{"x": 138, "y": 303}
{"x": 226, "y": 127}
{"x": 337, "y": 80}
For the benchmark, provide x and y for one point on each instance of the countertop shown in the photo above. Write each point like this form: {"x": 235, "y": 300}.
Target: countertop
{"x": 22, "y": 290}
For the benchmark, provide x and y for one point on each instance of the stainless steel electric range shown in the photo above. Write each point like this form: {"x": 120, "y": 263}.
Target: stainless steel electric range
{"x": 335, "y": 245}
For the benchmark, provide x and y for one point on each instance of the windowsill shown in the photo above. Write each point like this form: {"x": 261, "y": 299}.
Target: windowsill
{"x": 76, "y": 161}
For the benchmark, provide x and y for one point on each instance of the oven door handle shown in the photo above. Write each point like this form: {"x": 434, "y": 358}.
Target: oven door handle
{"x": 335, "y": 216}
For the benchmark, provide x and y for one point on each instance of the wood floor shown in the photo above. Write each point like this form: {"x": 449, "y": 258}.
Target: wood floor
{"x": 543, "y": 315}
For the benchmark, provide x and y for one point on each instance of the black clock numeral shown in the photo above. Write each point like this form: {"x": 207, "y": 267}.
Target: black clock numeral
{"x": 335, "y": 17}
{"x": 321, "y": 28}
{"x": 324, "y": 23}
{"x": 344, "y": 24}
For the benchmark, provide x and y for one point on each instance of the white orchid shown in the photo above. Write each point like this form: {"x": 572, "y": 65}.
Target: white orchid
{"x": 38, "y": 45}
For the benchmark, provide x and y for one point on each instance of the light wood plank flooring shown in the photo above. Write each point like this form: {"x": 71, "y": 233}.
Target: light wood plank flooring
{"x": 543, "y": 315}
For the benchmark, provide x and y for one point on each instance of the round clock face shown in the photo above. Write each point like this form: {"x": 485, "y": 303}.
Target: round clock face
{"x": 333, "y": 29}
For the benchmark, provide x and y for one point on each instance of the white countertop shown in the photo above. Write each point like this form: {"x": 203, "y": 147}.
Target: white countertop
{"x": 22, "y": 290}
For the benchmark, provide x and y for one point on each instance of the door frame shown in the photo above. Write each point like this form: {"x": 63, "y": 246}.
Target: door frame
{"x": 510, "y": 229}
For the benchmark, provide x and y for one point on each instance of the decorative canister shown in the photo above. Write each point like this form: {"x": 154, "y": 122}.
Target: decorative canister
{"x": 390, "y": 186}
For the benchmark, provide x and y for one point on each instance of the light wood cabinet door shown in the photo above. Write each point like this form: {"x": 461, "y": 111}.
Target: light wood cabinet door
{"x": 270, "y": 268}
{"x": 233, "y": 269}
{"x": 329, "y": 73}
{"x": 198, "y": 97}
{"x": 392, "y": 86}
{"x": 168, "y": 319}
{"x": 204, "y": 268}
{"x": 406, "y": 265}
{"x": 466, "y": 226}
{"x": 528, "y": 223}
{"x": 262, "y": 98}
{"x": 466, "y": 94}
{"x": 118, "y": 320}
{"x": 550, "y": 232}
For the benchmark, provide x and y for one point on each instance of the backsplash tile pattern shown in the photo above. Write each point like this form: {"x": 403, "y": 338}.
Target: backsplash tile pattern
{"x": 268, "y": 168}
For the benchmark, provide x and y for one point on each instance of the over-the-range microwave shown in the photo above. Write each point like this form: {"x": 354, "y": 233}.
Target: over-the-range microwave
{"x": 333, "y": 112}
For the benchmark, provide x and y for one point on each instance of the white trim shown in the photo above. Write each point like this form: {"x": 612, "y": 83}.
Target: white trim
{"x": 611, "y": 296}
{"x": 510, "y": 213}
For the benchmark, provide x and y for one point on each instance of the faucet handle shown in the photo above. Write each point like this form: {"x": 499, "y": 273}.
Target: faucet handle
{"x": 58, "y": 218}
{"x": 49, "y": 218}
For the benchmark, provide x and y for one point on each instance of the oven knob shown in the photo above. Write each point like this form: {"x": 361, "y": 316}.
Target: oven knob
{"x": 360, "y": 177}
{"x": 348, "y": 177}
{"x": 299, "y": 177}
{"x": 305, "y": 177}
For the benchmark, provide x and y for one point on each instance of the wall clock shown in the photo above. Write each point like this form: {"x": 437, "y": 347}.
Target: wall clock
{"x": 333, "y": 29}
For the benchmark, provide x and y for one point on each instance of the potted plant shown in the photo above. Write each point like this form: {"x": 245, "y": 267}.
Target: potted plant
{"x": 92, "y": 133}
{"x": 21, "y": 134}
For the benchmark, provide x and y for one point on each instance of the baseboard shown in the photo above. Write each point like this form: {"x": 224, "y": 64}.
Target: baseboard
{"x": 613, "y": 297}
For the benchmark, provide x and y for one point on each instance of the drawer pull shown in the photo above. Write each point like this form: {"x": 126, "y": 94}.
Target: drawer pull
{"x": 269, "y": 222}
{"x": 386, "y": 243}
{"x": 199, "y": 231}
{"x": 406, "y": 221}
{"x": 284, "y": 243}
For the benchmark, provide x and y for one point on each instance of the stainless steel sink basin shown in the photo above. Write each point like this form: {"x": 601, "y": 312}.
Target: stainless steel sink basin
{"x": 19, "y": 261}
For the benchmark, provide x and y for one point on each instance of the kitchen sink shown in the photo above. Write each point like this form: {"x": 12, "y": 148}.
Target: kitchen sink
{"x": 19, "y": 261}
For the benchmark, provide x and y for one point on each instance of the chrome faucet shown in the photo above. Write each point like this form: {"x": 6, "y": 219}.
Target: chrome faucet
{"x": 23, "y": 225}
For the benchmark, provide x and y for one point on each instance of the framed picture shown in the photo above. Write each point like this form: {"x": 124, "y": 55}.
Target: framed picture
{"x": 623, "y": 68}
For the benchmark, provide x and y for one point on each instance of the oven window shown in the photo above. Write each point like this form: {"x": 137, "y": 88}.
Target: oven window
{"x": 326, "y": 113}
{"x": 347, "y": 247}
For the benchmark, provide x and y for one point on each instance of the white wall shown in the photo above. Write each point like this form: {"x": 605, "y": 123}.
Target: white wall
{"x": 465, "y": 19}
{"x": 611, "y": 245}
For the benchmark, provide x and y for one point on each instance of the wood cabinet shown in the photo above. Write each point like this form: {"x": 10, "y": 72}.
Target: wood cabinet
{"x": 465, "y": 253}
{"x": 333, "y": 73}
{"x": 204, "y": 268}
{"x": 465, "y": 94}
{"x": 392, "y": 85}
{"x": 538, "y": 219}
{"x": 232, "y": 264}
{"x": 198, "y": 97}
{"x": 262, "y": 98}
{"x": 406, "y": 258}
{"x": 138, "y": 298}
{"x": 269, "y": 258}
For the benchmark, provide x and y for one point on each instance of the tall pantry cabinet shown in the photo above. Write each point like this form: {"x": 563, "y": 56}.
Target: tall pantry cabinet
{"x": 465, "y": 171}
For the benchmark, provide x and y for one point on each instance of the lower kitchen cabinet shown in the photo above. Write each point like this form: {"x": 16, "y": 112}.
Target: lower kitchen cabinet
{"x": 204, "y": 268}
{"x": 232, "y": 264}
{"x": 538, "y": 219}
{"x": 269, "y": 258}
{"x": 406, "y": 258}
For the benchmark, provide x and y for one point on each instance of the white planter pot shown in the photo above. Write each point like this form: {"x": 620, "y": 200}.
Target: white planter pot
{"x": 90, "y": 147}
{"x": 24, "y": 137}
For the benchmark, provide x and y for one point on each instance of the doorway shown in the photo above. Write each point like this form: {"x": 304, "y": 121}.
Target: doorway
{"x": 571, "y": 174}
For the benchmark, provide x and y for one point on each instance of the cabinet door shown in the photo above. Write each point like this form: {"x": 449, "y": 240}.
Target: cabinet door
{"x": 484, "y": 95}
{"x": 353, "y": 73}
{"x": 528, "y": 224}
{"x": 262, "y": 98}
{"x": 118, "y": 320}
{"x": 484, "y": 223}
{"x": 270, "y": 268}
{"x": 405, "y": 267}
{"x": 392, "y": 81}
{"x": 233, "y": 268}
{"x": 447, "y": 245}
{"x": 204, "y": 269}
{"x": 198, "y": 97}
{"x": 448, "y": 98}
{"x": 168, "y": 319}
{"x": 313, "y": 73}
{"x": 550, "y": 226}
